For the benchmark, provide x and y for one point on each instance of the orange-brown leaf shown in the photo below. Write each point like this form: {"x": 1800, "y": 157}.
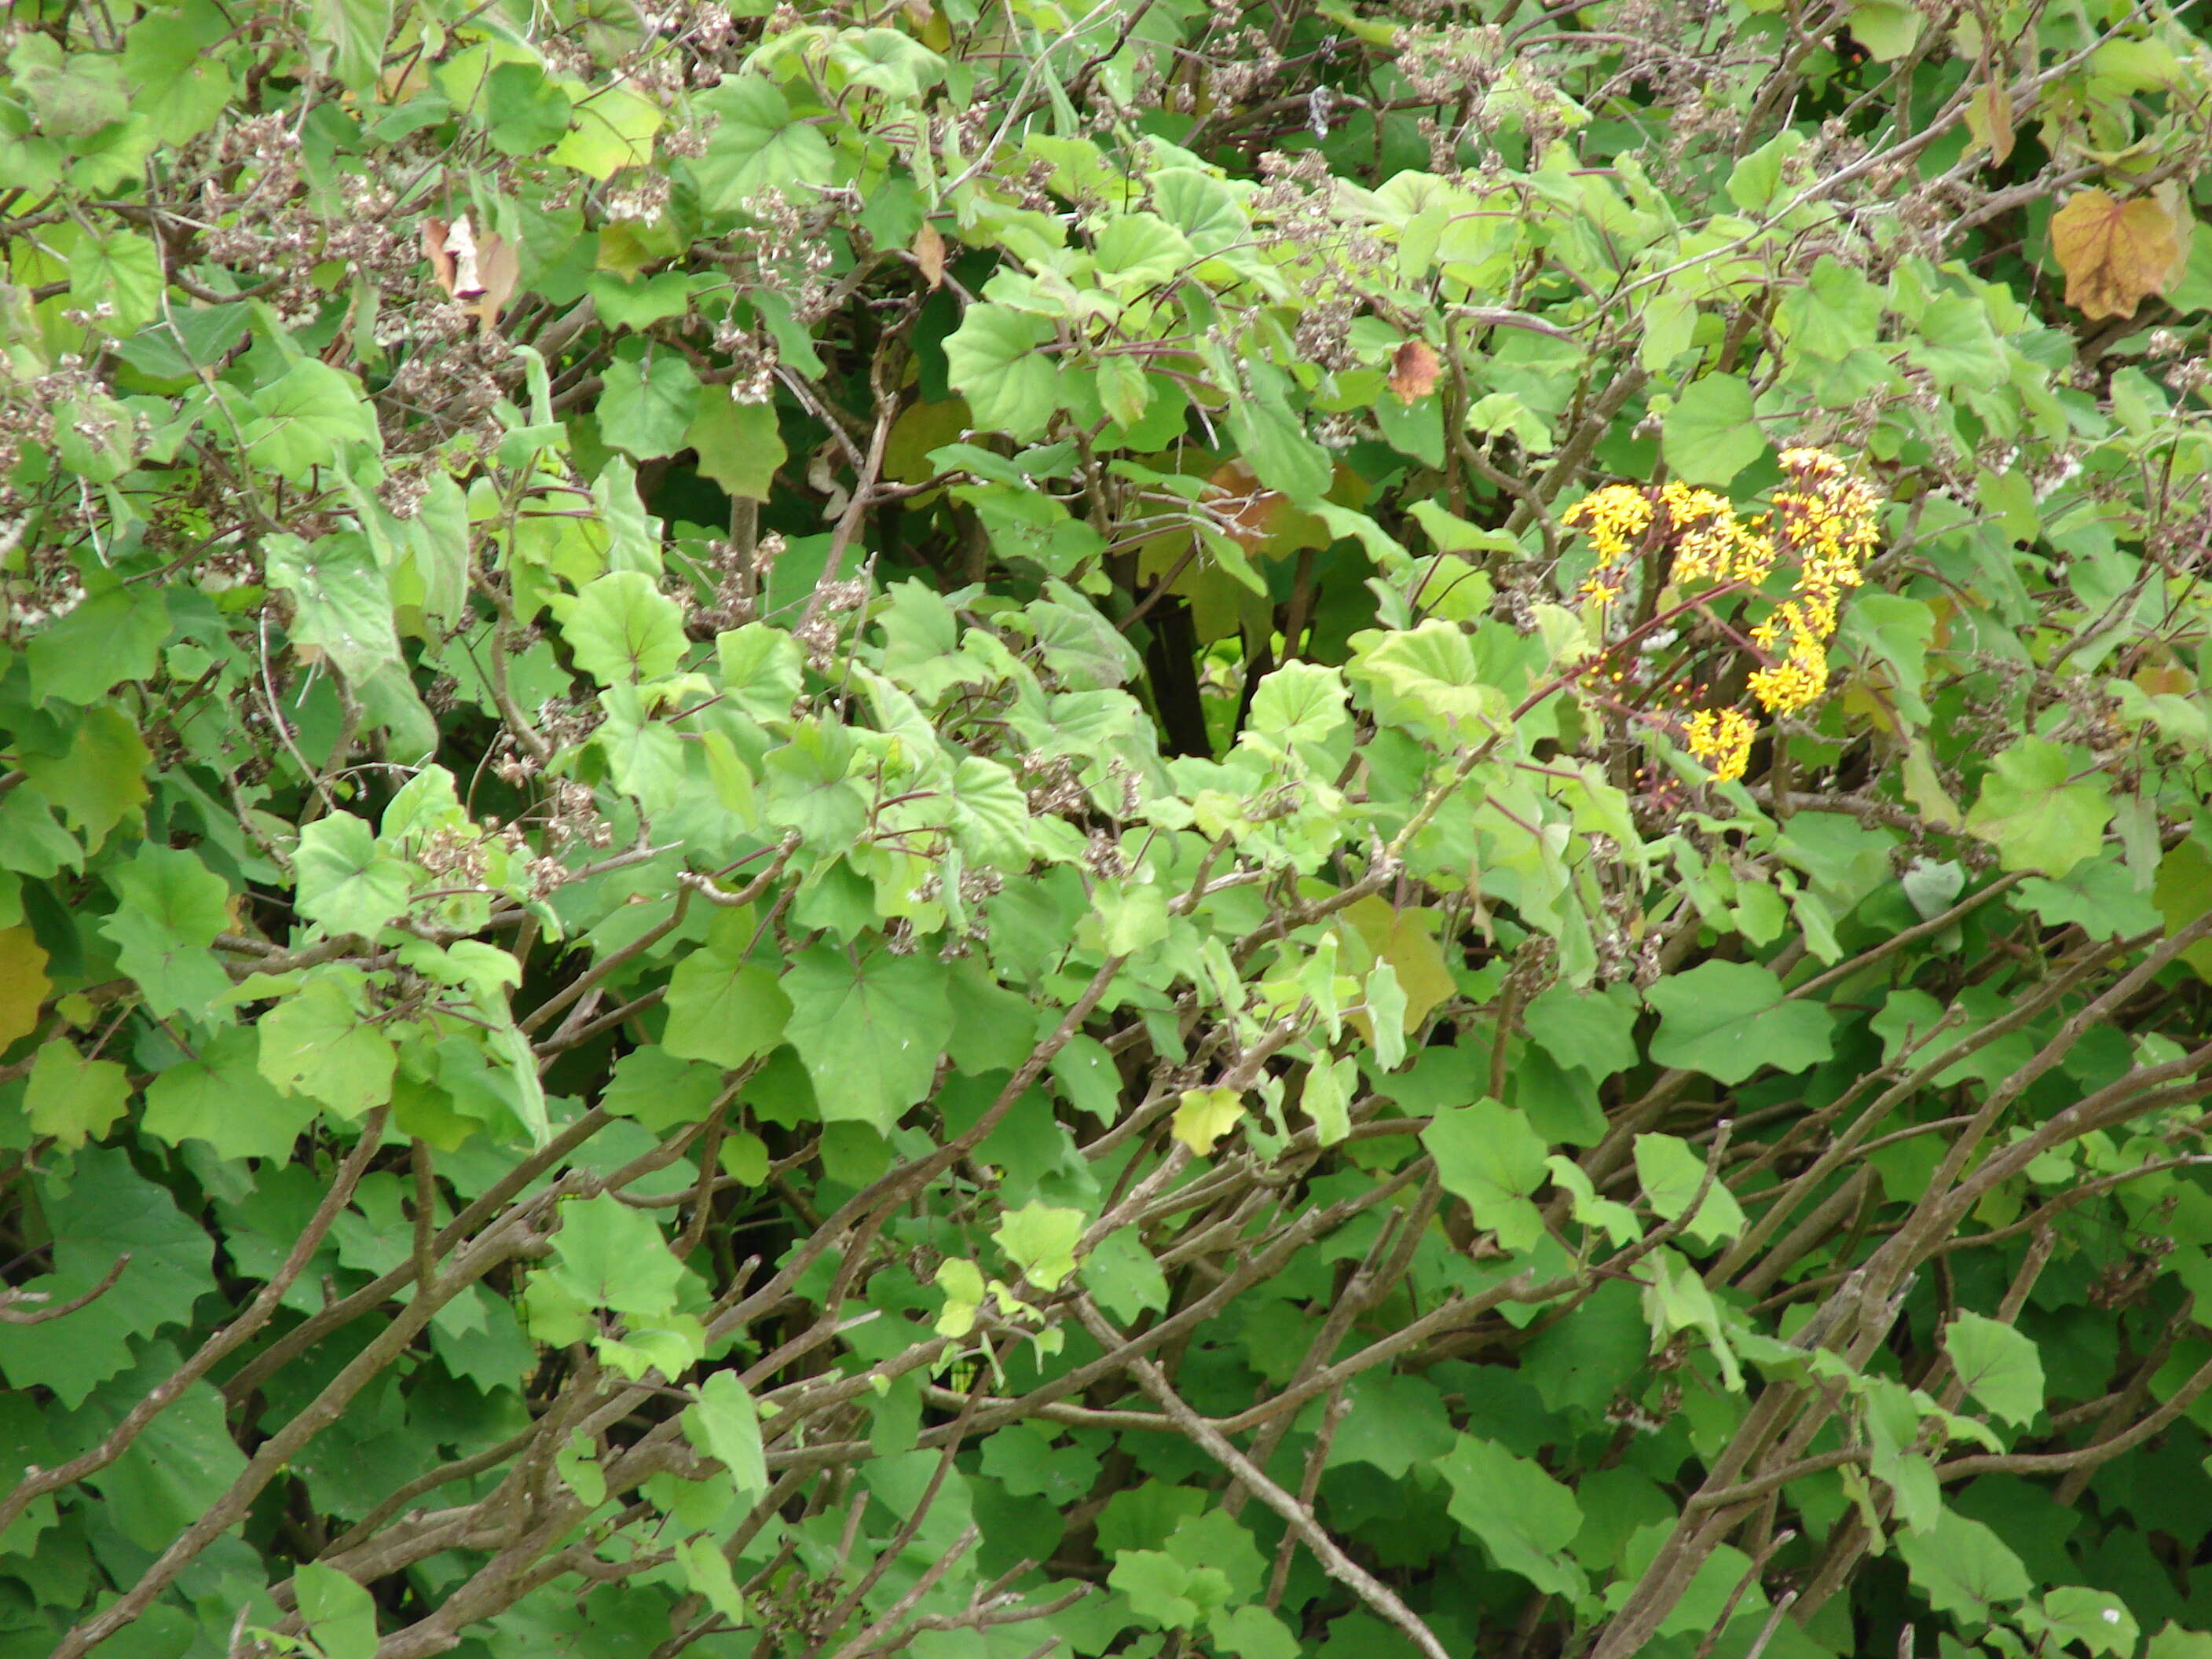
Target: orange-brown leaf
{"x": 1413, "y": 371}
{"x": 2114, "y": 253}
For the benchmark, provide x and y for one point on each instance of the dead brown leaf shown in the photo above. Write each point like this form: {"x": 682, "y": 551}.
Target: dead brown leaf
{"x": 1413, "y": 371}
{"x": 2114, "y": 253}
{"x": 434, "y": 250}
{"x": 929, "y": 254}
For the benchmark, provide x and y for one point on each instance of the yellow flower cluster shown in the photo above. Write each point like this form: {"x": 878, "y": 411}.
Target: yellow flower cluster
{"x": 1827, "y": 520}
{"x": 1613, "y": 518}
{"x": 1721, "y": 738}
{"x": 1823, "y": 525}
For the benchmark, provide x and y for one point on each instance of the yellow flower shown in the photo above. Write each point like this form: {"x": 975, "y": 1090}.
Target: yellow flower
{"x": 1598, "y": 590}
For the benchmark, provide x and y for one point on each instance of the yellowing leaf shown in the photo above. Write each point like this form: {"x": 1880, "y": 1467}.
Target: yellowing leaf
{"x": 613, "y": 130}
{"x": 1403, "y": 939}
{"x": 2114, "y": 253}
{"x": 1988, "y": 118}
{"x": 23, "y": 982}
{"x": 1206, "y": 1115}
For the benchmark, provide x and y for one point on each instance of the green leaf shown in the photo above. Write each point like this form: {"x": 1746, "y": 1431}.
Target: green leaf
{"x": 724, "y": 1423}
{"x": 1670, "y": 1172}
{"x": 611, "y": 1256}
{"x": 122, "y": 271}
{"x": 1999, "y": 1367}
{"x": 1163, "y": 1590}
{"x": 314, "y": 1043}
{"x": 1275, "y": 444}
{"x": 524, "y": 111}
{"x": 2097, "y": 1619}
{"x": 1834, "y": 313}
{"x": 756, "y": 142}
{"x": 1122, "y": 1275}
{"x": 110, "y": 638}
{"x": 1885, "y": 29}
{"x": 71, "y": 1098}
{"x": 1393, "y": 1423}
{"x": 107, "y": 1211}
{"x": 2034, "y": 816}
{"x": 722, "y": 1008}
{"x": 183, "y": 1461}
{"x": 75, "y": 95}
{"x": 309, "y": 416}
{"x": 346, "y": 882}
{"x": 1524, "y": 1518}
{"x": 1963, "y": 1568}
{"x": 740, "y": 446}
{"x": 707, "y": 1570}
{"x": 868, "y": 1032}
{"x": 341, "y": 601}
{"x": 340, "y": 1614}
{"x": 622, "y": 629}
{"x": 1487, "y": 1154}
{"x": 1327, "y": 1096}
{"x": 100, "y": 779}
{"x": 1728, "y": 1020}
{"x": 1204, "y": 1116}
{"x": 993, "y": 360}
{"x": 1709, "y": 434}
{"x": 219, "y": 1096}
{"x": 1253, "y": 1632}
{"x": 1040, "y": 1239}
{"x": 172, "y": 907}
{"x": 647, "y": 409}
{"x": 354, "y": 32}
{"x": 1589, "y": 1029}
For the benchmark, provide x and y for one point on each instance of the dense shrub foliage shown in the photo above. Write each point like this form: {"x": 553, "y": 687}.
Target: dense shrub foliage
{"x": 977, "y": 828}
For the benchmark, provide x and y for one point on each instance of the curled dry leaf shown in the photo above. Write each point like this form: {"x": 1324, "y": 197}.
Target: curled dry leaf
{"x": 1413, "y": 371}
{"x": 2114, "y": 253}
{"x": 481, "y": 273}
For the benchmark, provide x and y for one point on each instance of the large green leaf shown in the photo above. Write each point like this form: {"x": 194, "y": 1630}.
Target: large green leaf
{"x": 647, "y": 409}
{"x": 720, "y": 1007}
{"x": 1963, "y": 1568}
{"x": 993, "y": 360}
{"x": 1487, "y": 1155}
{"x": 1728, "y": 1020}
{"x": 2042, "y": 809}
{"x": 346, "y": 881}
{"x": 2000, "y": 1366}
{"x": 1523, "y": 1518}
{"x": 1709, "y": 434}
{"x": 757, "y": 143}
{"x": 622, "y": 629}
{"x": 869, "y": 1029}
{"x": 170, "y": 908}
